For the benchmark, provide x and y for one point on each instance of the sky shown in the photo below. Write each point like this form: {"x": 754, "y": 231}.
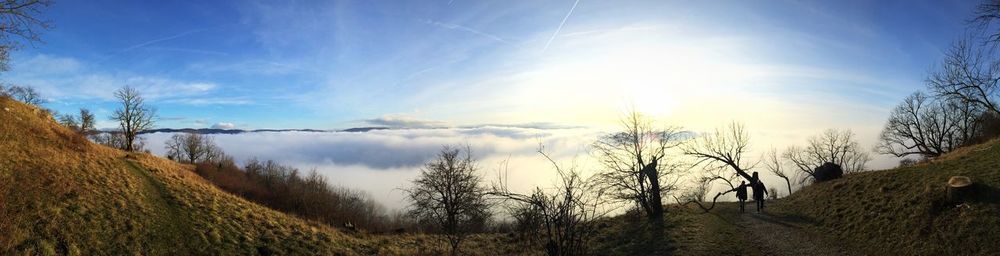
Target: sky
{"x": 786, "y": 69}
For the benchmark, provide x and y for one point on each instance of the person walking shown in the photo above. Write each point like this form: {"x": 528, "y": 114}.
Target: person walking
{"x": 759, "y": 191}
{"x": 741, "y": 195}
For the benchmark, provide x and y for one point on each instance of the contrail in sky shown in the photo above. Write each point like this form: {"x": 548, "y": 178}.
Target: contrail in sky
{"x": 560, "y": 26}
{"x": 185, "y": 33}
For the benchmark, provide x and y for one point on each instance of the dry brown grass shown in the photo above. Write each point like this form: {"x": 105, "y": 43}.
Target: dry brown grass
{"x": 62, "y": 194}
{"x": 904, "y": 210}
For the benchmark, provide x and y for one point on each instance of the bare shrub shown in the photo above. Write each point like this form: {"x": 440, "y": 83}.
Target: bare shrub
{"x": 192, "y": 148}
{"x": 566, "y": 213}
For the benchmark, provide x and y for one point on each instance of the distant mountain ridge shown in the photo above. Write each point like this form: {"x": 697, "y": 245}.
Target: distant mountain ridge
{"x": 543, "y": 126}
{"x": 239, "y": 131}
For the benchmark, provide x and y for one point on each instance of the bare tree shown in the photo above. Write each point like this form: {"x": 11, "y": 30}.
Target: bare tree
{"x": 969, "y": 75}
{"x": 567, "y": 212}
{"x": 922, "y": 125}
{"x": 635, "y": 163}
{"x": 20, "y": 22}
{"x": 720, "y": 154}
{"x": 69, "y": 121}
{"x": 448, "y": 195}
{"x": 723, "y": 149}
{"x": 24, "y": 94}
{"x": 774, "y": 164}
{"x": 831, "y": 146}
{"x": 86, "y": 121}
{"x": 986, "y": 14}
{"x": 116, "y": 139}
{"x": 191, "y": 148}
{"x": 133, "y": 115}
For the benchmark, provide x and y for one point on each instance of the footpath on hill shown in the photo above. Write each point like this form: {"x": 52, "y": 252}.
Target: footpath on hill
{"x": 774, "y": 235}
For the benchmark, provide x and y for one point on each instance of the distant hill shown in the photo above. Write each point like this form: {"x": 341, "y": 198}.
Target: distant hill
{"x": 225, "y": 131}
{"x": 238, "y": 131}
{"x": 365, "y": 129}
{"x": 903, "y": 211}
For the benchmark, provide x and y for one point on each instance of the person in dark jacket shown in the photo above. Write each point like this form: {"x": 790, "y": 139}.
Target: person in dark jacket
{"x": 759, "y": 191}
{"x": 741, "y": 194}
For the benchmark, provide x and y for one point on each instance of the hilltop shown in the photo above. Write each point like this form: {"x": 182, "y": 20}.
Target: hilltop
{"x": 905, "y": 210}
{"x": 901, "y": 211}
{"x": 62, "y": 194}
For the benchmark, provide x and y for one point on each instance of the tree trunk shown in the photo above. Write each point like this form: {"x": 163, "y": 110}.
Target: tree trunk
{"x": 789, "y": 183}
{"x": 655, "y": 203}
{"x": 959, "y": 189}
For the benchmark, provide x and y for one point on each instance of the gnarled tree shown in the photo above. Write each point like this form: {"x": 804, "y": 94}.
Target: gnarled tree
{"x": 774, "y": 164}
{"x": 635, "y": 163}
{"x": 720, "y": 154}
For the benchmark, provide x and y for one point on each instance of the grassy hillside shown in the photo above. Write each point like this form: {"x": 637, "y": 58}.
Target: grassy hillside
{"x": 62, "y": 194}
{"x": 904, "y": 210}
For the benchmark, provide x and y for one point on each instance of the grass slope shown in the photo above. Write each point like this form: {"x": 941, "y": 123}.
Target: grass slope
{"x": 904, "y": 210}
{"x": 686, "y": 231}
{"x": 62, "y": 194}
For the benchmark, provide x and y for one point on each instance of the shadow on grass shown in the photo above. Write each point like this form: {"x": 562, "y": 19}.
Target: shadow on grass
{"x": 635, "y": 235}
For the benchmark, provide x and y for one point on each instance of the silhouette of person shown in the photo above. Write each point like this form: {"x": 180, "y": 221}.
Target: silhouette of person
{"x": 741, "y": 194}
{"x": 759, "y": 191}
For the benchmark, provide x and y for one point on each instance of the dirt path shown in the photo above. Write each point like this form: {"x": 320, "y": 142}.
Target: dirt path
{"x": 166, "y": 222}
{"x": 774, "y": 235}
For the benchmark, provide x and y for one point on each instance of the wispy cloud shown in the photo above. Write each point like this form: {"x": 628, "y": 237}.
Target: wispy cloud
{"x": 64, "y": 78}
{"x": 466, "y": 29}
{"x": 561, "y": 23}
{"x": 157, "y": 40}
{"x": 205, "y": 101}
{"x": 254, "y": 67}
{"x": 187, "y": 50}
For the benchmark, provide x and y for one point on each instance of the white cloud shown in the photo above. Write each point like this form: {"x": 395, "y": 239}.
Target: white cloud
{"x": 210, "y": 101}
{"x": 65, "y": 78}
{"x": 47, "y": 64}
{"x": 224, "y": 126}
{"x": 466, "y": 29}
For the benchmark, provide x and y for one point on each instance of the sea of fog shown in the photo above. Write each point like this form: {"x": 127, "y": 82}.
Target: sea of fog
{"x": 383, "y": 161}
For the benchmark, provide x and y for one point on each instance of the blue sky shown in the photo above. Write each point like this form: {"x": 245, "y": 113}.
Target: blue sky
{"x": 539, "y": 72}
{"x": 340, "y": 64}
